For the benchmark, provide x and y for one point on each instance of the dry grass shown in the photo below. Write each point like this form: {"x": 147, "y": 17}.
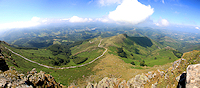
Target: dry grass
{"x": 112, "y": 66}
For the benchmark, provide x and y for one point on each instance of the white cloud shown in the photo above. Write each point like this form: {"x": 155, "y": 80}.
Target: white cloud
{"x": 197, "y": 28}
{"x": 131, "y": 11}
{"x": 102, "y": 19}
{"x": 78, "y": 19}
{"x": 162, "y": 22}
{"x": 21, "y": 24}
{"x": 163, "y": 1}
{"x": 45, "y": 20}
{"x": 35, "y": 19}
{"x": 109, "y": 2}
{"x": 65, "y": 19}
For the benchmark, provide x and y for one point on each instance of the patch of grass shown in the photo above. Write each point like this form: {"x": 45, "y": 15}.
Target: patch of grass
{"x": 84, "y": 46}
{"x": 91, "y": 54}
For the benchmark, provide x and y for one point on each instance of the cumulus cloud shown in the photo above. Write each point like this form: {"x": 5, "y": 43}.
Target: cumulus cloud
{"x": 131, "y": 11}
{"x": 109, "y": 2}
{"x": 78, "y": 19}
{"x": 162, "y": 22}
{"x": 197, "y": 28}
{"x": 21, "y": 24}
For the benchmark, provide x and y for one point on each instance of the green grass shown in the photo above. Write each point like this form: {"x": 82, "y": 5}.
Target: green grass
{"x": 147, "y": 51}
{"x": 91, "y": 54}
{"x": 64, "y": 77}
{"x": 84, "y": 46}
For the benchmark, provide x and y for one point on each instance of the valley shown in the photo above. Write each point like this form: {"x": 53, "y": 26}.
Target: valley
{"x": 62, "y": 67}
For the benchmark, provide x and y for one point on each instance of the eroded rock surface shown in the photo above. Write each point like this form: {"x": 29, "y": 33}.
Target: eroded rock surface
{"x": 193, "y": 76}
{"x": 14, "y": 79}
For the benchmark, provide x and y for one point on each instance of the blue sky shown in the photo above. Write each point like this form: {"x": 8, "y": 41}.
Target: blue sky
{"x": 161, "y": 13}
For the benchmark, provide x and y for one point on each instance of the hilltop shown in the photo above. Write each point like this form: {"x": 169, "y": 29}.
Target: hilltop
{"x": 137, "y": 49}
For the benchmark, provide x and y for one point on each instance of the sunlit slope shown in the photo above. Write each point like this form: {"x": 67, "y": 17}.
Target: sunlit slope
{"x": 137, "y": 49}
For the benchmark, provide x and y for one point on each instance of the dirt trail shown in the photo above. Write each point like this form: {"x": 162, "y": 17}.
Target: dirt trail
{"x": 61, "y": 67}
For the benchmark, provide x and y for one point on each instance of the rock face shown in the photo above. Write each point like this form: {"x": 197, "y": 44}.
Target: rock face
{"x": 41, "y": 79}
{"x": 193, "y": 76}
{"x": 137, "y": 82}
{"x": 11, "y": 78}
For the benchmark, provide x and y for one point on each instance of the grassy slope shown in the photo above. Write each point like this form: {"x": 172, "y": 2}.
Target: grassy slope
{"x": 65, "y": 76}
{"x": 192, "y": 57}
{"x": 147, "y": 50}
{"x": 87, "y": 49}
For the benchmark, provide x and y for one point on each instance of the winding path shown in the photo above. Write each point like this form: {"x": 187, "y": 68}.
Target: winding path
{"x": 61, "y": 67}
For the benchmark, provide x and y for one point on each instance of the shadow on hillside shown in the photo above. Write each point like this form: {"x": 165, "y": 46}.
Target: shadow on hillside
{"x": 142, "y": 41}
{"x": 182, "y": 81}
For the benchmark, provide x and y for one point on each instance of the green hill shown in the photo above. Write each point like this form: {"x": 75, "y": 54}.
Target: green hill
{"x": 139, "y": 49}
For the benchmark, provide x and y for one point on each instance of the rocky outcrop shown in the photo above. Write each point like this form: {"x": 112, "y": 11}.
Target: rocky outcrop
{"x": 41, "y": 79}
{"x": 11, "y": 78}
{"x": 193, "y": 76}
{"x": 174, "y": 76}
{"x": 136, "y": 82}
{"x": 14, "y": 79}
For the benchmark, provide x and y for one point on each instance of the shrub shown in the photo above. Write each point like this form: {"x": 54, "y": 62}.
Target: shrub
{"x": 142, "y": 63}
{"x": 79, "y": 60}
{"x": 121, "y": 52}
{"x": 132, "y": 63}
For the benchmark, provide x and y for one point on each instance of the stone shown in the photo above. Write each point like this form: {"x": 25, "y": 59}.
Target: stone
{"x": 90, "y": 85}
{"x": 3, "y": 81}
{"x": 154, "y": 85}
{"x": 193, "y": 76}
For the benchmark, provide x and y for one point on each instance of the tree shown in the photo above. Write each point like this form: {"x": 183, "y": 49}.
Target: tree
{"x": 142, "y": 63}
{"x": 131, "y": 54}
{"x": 137, "y": 51}
{"x": 121, "y": 52}
{"x": 133, "y": 63}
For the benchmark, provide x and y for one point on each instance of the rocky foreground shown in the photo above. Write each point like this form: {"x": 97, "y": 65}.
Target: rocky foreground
{"x": 10, "y": 78}
{"x": 141, "y": 81}
{"x": 14, "y": 79}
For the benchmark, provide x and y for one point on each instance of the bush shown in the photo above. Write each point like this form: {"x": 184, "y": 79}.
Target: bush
{"x": 79, "y": 60}
{"x": 177, "y": 53}
{"x": 142, "y": 63}
{"x": 121, "y": 52}
{"x": 60, "y": 49}
{"x": 132, "y": 63}
{"x": 59, "y": 61}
